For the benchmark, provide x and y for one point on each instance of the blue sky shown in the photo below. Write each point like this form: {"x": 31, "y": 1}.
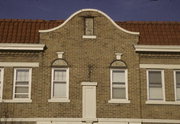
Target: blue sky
{"x": 119, "y": 10}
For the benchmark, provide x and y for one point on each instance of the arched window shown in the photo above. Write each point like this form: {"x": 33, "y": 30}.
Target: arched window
{"x": 59, "y": 81}
{"x": 118, "y": 82}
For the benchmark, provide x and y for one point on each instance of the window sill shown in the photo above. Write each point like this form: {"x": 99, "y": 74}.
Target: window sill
{"x": 58, "y": 100}
{"x": 119, "y": 101}
{"x": 89, "y": 36}
{"x": 16, "y": 100}
{"x": 163, "y": 102}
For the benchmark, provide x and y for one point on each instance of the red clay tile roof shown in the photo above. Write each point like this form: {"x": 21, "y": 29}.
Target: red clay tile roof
{"x": 151, "y": 33}
{"x": 23, "y": 31}
{"x": 155, "y": 33}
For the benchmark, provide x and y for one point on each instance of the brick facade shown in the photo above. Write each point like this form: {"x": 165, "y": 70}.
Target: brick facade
{"x": 89, "y": 60}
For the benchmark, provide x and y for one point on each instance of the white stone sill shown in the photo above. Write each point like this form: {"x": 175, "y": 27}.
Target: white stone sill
{"x": 16, "y": 100}
{"x": 89, "y": 83}
{"x": 119, "y": 101}
{"x": 89, "y": 36}
{"x": 163, "y": 102}
{"x": 58, "y": 100}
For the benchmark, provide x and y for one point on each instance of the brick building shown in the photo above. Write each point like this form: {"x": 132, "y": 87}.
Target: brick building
{"x": 89, "y": 69}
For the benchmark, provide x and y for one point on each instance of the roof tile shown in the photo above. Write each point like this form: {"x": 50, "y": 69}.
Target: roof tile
{"x": 151, "y": 33}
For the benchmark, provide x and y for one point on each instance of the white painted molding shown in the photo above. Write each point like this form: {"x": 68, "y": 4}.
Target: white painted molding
{"x": 60, "y": 54}
{"x": 163, "y": 102}
{"x": 16, "y": 46}
{"x": 89, "y": 83}
{"x": 89, "y": 37}
{"x": 157, "y": 48}
{"x": 58, "y": 100}
{"x": 118, "y": 101}
{"x": 93, "y": 10}
{"x": 17, "y": 100}
{"x": 19, "y": 64}
{"x": 160, "y": 66}
{"x": 131, "y": 120}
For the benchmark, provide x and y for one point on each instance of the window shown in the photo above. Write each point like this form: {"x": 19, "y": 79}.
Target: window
{"x": 177, "y": 85}
{"x": 1, "y": 83}
{"x": 89, "y": 26}
{"x": 22, "y": 83}
{"x": 60, "y": 84}
{"x": 119, "y": 89}
{"x": 155, "y": 83}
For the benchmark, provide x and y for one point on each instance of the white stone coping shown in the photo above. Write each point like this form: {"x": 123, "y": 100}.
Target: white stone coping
{"x": 92, "y": 10}
{"x": 20, "y": 46}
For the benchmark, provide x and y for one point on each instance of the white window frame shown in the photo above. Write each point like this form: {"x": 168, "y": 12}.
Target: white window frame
{"x": 175, "y": 85}
{"x": 30, "y": 82}
{"x": 163, "y": 84}
{"x": 2, "y": 83}
{"x": 66, "y": 99}
{"x": 126, "y": 100}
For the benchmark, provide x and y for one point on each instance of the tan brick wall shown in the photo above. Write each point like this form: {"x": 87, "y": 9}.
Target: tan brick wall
{"x": 99, "y": 52}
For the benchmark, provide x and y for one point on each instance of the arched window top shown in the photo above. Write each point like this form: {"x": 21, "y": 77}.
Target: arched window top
{"x": 59, "y": 63}
{"x": 118, "y": 64}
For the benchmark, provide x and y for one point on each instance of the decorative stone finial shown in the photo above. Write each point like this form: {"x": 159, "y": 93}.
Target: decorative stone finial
{"x": 118, "y": 56}
{"x": 60, "y": 54}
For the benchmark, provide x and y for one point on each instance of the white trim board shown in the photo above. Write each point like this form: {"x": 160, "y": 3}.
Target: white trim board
{"x": 16, "y": 46}
{"x": 19, "y": 64}
{"x": 160, "y": 66}
{"x": 2, "y": 83}
{"x": 157, "y": 48}
{"x": 92, "y": 10}
{"x": 98, "y": 119}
